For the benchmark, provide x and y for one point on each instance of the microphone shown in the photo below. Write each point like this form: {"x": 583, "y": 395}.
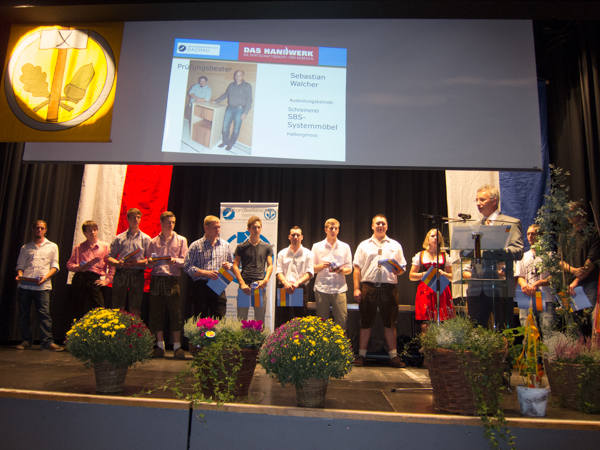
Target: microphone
{"x": 464, "y": 216}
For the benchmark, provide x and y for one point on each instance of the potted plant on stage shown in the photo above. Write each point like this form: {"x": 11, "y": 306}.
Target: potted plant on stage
{"x": 466, "y": 365}
{"x": 306, "y": 352}
{"x": 533, "y": 398}
{"x": 225, "y": 353}
{"x": 111, "y": 341}
{"x": 573, "y": 362}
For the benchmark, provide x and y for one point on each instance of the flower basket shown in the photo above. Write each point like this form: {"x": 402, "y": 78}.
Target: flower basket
{"x": 307, "y": 348}
{"x": 452, "y": 388}
{"x": 110, "y": 336}
{"x": 311, "y": 393}
{"x": 225, "y": 354}
{"x": 110, "y": 377}
{"x": 577, "y": 385}
{"x": 227, "y": 373}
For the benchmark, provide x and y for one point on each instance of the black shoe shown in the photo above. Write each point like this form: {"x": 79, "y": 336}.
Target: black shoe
{"x": 221, "y": 145}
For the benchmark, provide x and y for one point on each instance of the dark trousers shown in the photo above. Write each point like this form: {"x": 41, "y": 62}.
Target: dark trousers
{"x": 41, "y": 300}
{"x": 87, "y": 294}
{"x": 284, "y": 314}
{"x": 206, "y": 303}
{"x": 480, "y": 307}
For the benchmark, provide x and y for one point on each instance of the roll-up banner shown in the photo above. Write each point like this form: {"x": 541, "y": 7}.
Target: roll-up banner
{"x": 234, "y": 229}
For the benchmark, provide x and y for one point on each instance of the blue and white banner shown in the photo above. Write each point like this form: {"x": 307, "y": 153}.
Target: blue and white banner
{"x": 234, "y": 229}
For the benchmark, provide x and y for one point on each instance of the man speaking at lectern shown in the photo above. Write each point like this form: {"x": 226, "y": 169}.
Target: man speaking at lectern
{"x": 483, "y": 297}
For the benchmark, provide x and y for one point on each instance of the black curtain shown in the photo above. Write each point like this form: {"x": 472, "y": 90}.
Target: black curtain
{"x": 29, "y": 192}
{"x": 568, "y": 59}
{"x": 308, "y": 197}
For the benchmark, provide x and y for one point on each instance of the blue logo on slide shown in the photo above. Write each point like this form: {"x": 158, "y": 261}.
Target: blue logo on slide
{"x": 270, "y": 214}
{"x": 242, "y": 236}
{"x": 181, "y": 48}
{"x": 228, "y": 213}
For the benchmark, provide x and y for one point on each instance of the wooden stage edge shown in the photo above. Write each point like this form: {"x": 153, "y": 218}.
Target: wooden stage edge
{"x": 332, "y": 414}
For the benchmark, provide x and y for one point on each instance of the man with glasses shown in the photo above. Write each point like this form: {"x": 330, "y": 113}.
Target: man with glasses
{"x": 37, "y": 263}
{"x": 332, "y": 262}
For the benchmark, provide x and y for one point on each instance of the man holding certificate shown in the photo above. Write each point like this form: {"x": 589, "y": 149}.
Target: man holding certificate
{"x": 127, "y": 252}
{"x": 37, "y": 263}
{"x": 89, "y": 262}
{"x": 294, "y": 270}
{"x": 204, "y": 259}
{"x": 253, "y": 256}
{"x": 166, "y": 252}
{"x": 375, "y": 287}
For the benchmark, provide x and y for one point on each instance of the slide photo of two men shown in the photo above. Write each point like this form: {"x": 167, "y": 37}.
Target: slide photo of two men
{"x": 219, "y": 108}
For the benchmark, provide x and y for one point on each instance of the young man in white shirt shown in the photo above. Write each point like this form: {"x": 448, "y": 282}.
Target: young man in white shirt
{"x": 294, "y": 270}
{"x": 332, "y": 260}
{"x": 38, "y": 260}
{"x": 375, "y": 287}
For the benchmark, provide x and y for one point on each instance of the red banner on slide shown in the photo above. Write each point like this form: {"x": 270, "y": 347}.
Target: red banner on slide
{"x": 278, "y": 54}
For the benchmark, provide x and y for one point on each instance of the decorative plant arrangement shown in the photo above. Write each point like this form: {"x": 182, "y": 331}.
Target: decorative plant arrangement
{"x": 306, "y": 352}
{"x": 574, "y": 370}
{"x": 111, "y": 341}
{"x": 558, "y": 243}
{"x": 225, "y": 354}
{"x": 533, "y": 398}
{"x": 466, "y": 363}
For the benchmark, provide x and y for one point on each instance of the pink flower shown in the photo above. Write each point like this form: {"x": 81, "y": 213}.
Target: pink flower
{"x": 272, "y": 360}
{"x": 207, "y": 323}
{"x": 252, "y": 324}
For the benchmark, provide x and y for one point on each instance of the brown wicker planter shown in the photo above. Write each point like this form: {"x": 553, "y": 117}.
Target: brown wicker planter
{"x": 110, "y": 377}
{"x": 452, "y": 390}
{"x": 311, "y": 393}
{"x": 577, "y": 386}
{"x": 243, "y": 376}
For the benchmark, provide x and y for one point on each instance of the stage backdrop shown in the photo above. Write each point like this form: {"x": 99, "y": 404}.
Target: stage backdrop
{"x": 234, "y": 229}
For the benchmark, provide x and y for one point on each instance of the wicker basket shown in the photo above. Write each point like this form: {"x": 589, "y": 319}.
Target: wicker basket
{"x": 243, "y": 376}
{"x": 452, "y": 390}
{"x": 110, "y": 377}
{"x": 311, "y": 394}
{"x": 576, "y": 387}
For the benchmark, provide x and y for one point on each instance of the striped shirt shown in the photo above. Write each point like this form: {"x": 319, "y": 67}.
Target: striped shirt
{"x": 203, "y": 256}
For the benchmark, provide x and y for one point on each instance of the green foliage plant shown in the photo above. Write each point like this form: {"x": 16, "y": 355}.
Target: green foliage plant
{"x": 110, "y": 335}
{"x": 217, "y": 348}
{"x": 557, "y": 242}
{"x": 461, "y": 335}
{"x": 307, "y": 347}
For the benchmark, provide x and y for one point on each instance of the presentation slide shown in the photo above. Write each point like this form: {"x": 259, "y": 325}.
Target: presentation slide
{"x": 288, "y": 100}
{"x": 397, "y": 93}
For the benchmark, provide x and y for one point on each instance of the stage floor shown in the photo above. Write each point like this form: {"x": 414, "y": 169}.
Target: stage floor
{"x": 366, "y": 389}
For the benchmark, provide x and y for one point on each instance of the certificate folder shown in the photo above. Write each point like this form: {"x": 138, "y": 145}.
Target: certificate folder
{"x": 219, "y": 285}
{"x": 256, "y": 298}
{"x": 285, "y": 299}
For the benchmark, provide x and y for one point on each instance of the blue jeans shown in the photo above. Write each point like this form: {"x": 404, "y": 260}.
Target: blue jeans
{"x": 41, "y": 299}
{"x": 234, "y": 115}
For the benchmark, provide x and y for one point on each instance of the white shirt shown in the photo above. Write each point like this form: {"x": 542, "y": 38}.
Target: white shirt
{"x": 526, "y": 268}
{"x": 326, "y": 281}
{"x": 294, "y": 266}
{"x": 493, "y": 216}
{"x": 37, "y": 261}
{"x": 367, "y": 258}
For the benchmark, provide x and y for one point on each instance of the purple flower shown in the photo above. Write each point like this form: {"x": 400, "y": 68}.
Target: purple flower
{"x": 272, "y": 360}
{"x": 252, "y": 324}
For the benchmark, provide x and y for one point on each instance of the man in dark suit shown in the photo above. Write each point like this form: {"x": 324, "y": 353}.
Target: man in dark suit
{"x": 486, "y": 297}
